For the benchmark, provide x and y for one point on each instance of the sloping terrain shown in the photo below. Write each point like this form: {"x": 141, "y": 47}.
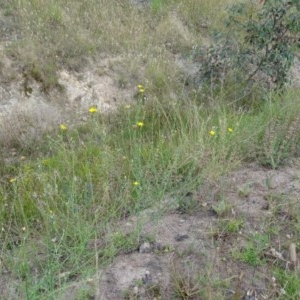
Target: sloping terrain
{"x": 230, "y": 235}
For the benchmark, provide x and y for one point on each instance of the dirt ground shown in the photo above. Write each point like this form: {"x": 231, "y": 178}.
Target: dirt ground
{"x": 190, "y": 245}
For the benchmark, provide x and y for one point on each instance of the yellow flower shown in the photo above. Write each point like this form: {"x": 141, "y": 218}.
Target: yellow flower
{"x": 136, "y": 183}
{"x": 212, "y": 133}
{"x": 230, "y": 129}
{"x": 127, "y": 106}
{"x": 93, "y": 109}
{"x": 141, "y": 88}
{"x": 63, "y": 127}
{"x": 140, "y": 124}
{"x": 12, "y": 180}
{"x": 51, "y": 214}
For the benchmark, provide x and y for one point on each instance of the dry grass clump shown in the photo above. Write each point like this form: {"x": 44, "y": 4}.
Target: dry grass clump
{"x": 280, "y": 137}
{"x": 201, "y": 15}
{"x": 280, "y": 141}
{"x": 66, "y": 35}
{"x": 24, "y": 127}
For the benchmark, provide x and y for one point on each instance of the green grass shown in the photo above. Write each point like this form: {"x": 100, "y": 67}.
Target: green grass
{"x": 253, "y": 252}
{"x": 109, "y": 168}
{"x": 290, "y": 284}
{"x": 75, "y": 185}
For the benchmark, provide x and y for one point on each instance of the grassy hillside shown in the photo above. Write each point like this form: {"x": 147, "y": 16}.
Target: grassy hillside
{"x": 71, "y": 185}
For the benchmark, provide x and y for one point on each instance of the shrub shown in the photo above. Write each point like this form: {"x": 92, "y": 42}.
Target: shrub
{"x": 257, "y": 48}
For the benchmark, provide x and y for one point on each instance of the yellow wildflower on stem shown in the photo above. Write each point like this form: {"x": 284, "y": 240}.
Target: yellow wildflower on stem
{"x": 12, "y": 180}
{"x": 136, "y": 183}
{"x": 141, "y": 89}
{"x": 212, "y": 133}
{"x": 230, "y": 129}
{"x": 63, "y": 127}
{"x": 93, "y": 109}
{"x": 140, "y": 124}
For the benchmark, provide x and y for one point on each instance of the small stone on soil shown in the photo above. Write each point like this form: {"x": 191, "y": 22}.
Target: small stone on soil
{"x": 181, "y": 237}
{"x": 145, "y": 248}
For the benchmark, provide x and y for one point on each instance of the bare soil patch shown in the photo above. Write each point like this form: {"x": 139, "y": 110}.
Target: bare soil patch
{"x": 187, "y": 247}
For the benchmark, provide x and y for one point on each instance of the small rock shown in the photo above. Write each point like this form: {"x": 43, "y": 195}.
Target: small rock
{"x": 265, "y": 206}
{"x": 181, "y": 237}
{"x": 145, "y": 248}
{"x": 147, "y": 278}
{"x": 135, "y": 290}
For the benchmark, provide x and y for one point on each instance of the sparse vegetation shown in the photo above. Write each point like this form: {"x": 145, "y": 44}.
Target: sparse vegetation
{"x": 73, "y": 183}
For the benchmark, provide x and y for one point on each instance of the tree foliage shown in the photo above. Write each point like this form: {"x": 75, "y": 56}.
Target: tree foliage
{"x": 257, "y": 48}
